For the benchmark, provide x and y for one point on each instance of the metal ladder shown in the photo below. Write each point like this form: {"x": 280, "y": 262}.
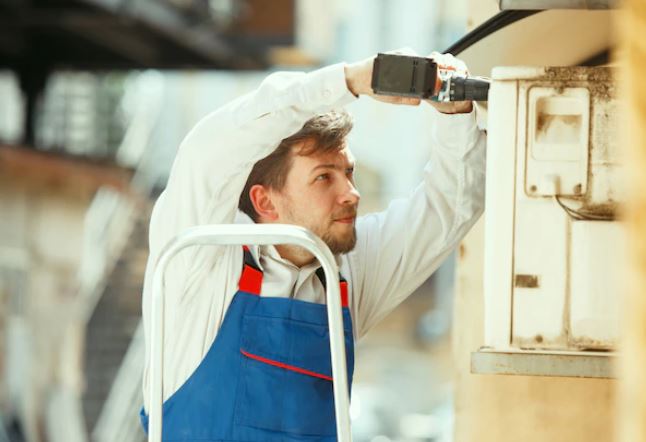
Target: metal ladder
{"x": 234, "y": 234}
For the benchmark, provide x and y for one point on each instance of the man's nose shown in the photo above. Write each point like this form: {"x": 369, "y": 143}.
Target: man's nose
{"x": 350, "y": 195}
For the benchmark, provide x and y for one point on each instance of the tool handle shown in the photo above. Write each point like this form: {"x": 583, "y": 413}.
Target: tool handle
{"x": 468, "y": 89}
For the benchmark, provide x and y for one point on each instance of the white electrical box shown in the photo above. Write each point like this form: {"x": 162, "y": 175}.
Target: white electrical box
{"x": 553, "y": 246}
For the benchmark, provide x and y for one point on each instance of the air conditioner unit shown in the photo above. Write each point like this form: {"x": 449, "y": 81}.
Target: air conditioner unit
{"x": 553, "y": 245}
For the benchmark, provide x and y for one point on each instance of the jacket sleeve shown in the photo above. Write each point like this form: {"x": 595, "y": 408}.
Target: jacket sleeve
{"x": 214, "y": 160}
{"x": 399, "y": 248}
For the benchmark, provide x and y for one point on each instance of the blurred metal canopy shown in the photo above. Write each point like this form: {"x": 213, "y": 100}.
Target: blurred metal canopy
{"x": 126, "y": 34}
{"x": 38, "y": 37}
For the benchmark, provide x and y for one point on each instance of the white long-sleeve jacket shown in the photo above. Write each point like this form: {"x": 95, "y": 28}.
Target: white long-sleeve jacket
{"x": 396, "y": 250}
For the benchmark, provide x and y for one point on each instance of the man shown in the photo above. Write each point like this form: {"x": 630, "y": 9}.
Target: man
{"x": 246, "y": 347}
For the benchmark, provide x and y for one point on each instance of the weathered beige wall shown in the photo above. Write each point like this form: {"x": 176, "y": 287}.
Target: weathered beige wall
{"x": 480, "y": 11}
{"x": 516, "y": 408}
{"x": 632, "y": 398}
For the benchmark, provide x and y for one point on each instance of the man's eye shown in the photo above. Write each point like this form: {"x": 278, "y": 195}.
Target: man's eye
{"x": 323, "y": 177}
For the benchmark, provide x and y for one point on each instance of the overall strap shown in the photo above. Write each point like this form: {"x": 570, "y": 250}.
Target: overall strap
{"x": 251, "y": 277}
{"x": 343, "y": 285}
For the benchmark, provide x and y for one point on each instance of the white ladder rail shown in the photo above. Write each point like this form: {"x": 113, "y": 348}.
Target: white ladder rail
{"x": 234, "y": 234}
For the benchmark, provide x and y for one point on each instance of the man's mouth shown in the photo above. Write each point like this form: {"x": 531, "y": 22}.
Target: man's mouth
{"x": 349, "y": 220}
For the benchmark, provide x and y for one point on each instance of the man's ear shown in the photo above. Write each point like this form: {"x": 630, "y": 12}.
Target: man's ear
{"x": 262, "y": 203}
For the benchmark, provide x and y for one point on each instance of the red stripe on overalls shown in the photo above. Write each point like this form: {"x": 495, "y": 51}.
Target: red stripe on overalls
{"x": 286, "y": 366}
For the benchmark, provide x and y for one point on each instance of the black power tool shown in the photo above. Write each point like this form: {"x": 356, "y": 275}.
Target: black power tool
{"x": 420, "y": 77}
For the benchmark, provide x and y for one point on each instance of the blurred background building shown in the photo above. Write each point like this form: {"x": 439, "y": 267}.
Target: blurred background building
{"x": 95, "y": 97}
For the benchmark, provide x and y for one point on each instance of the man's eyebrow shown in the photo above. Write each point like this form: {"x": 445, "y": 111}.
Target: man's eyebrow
{"x": 333, "y": 166}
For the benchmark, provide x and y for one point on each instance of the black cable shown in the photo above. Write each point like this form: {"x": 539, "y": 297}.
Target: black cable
{"x": 498, "y": 21}
{"x": 582, "y": 216}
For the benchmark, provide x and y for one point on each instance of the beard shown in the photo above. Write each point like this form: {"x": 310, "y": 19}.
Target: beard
{"x": 342, "y": 244}
{"x": 337, "y": 242}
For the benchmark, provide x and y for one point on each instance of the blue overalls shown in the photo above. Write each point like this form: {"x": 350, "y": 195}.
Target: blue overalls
{"x": 267, "y": 376}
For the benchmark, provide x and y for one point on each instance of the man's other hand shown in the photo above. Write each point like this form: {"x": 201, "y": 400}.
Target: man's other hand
{"x": 445, "y": 61}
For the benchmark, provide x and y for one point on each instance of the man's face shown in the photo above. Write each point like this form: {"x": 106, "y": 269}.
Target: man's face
{"x": 320, "y": 195}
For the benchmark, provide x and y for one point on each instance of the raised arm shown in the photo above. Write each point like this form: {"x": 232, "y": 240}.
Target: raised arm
{"x": 214, "y": 160}
{"x": 398, "y": 249}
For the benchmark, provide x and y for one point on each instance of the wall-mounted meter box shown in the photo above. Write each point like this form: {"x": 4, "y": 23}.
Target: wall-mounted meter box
{"x": 553, "y": 245}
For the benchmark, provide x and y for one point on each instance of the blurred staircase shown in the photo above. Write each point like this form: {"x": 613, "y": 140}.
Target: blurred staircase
{"x": 113, "y": 324}
{"x": 111, "y": 278}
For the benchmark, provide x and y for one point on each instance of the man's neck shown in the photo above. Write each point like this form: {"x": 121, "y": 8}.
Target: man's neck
{"x": 295, "y": 254}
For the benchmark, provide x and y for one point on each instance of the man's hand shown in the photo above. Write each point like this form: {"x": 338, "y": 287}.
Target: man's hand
{"x": 358, "y": 78}
{"x": 445, "y": 61}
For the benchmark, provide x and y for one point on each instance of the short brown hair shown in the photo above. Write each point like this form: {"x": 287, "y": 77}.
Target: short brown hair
{"x": 327, "y": 133}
